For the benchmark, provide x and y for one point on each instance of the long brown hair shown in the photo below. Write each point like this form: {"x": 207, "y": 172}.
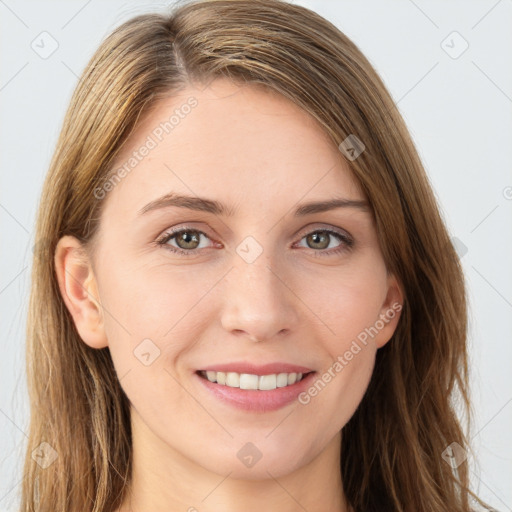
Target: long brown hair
{"x": 393, "y": 448}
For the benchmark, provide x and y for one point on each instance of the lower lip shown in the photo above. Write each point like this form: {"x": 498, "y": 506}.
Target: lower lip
{"x": 256, "y": 400}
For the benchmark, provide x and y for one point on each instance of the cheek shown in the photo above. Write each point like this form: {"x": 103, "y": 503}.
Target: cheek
{"x": 338, "y": 389}
{"x": 151, "y": 323}
{"x": 348, "y": 303}
{"x": 158, "y": 303}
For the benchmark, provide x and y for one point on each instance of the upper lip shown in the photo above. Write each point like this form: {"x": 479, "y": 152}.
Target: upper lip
{"x": 254, "y": 369}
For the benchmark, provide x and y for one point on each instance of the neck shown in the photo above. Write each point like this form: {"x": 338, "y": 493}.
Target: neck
{"x": 164, "y": 480}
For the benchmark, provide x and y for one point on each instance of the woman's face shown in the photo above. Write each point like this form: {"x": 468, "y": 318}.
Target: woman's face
{"x": 253, "y": 278}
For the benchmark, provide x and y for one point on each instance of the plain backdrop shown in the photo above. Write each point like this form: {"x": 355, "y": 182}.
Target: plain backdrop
{"x": 448, "y": 66}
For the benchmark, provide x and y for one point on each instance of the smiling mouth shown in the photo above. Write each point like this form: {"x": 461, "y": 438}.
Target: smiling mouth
{"x": 252, "y": 381}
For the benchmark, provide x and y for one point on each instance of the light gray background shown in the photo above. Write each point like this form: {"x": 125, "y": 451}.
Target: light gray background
{"x": 457, "y": 109}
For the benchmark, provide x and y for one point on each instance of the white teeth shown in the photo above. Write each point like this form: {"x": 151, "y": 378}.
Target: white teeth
{"x": 233, "y": 380}
{"x": 282, "y": 380}
{"x": 250, "y": 381}
{"x": 268, "y": 382}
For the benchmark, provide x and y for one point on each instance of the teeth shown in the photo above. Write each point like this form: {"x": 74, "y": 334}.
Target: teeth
{"x": 282, "y": 380}
{"x": 250, "y": 381}
{"x": 220, "y": 376}
{"x": 268, "y": 382}
{"x": 233, "y": 380}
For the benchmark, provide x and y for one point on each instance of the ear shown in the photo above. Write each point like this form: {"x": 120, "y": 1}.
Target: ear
{"x": 79, "y": 290}
{"x": 390, "y": 312}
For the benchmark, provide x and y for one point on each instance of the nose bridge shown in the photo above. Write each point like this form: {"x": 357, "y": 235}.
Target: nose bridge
{"x": 256, "y": 300}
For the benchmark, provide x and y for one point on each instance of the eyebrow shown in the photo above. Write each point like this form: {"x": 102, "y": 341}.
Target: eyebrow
{"x": 212, "y": 206}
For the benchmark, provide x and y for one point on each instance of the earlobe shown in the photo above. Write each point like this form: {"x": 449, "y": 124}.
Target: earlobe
{"x": 78, "y": 288}
{"x": 390, "y": 312}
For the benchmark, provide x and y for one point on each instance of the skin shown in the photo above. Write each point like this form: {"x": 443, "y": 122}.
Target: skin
{"x": 261, "y": 155}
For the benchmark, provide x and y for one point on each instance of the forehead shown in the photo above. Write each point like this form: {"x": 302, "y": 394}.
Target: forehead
{"x": 243, "y": 145}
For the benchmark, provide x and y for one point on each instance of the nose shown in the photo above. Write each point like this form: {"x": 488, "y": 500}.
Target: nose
{"x": 258, "y": 303}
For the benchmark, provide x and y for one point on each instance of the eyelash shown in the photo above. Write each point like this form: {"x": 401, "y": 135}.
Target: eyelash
{"x": 347, "y": 244}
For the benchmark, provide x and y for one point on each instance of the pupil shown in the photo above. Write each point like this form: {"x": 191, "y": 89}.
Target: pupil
{"x": 187, "y": 238}
{"x": 317, "y": 239}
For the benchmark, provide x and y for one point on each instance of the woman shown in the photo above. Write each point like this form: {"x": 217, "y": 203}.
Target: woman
{"x": 245, "y": 294}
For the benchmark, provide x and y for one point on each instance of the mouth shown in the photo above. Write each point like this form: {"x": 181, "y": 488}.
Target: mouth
{"x": 253, "y": 381}
{"x": 254, "y": 392}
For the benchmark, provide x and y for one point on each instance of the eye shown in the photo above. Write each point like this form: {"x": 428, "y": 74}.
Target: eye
{"x": 187, "y": 240}
{"x": 321, "y": 239}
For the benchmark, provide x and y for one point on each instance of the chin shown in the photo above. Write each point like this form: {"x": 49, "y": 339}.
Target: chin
{"x": 259, "y": 459}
